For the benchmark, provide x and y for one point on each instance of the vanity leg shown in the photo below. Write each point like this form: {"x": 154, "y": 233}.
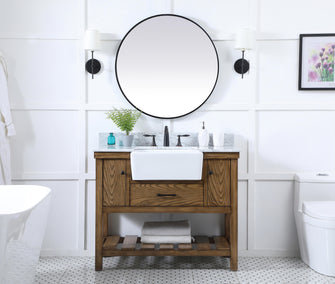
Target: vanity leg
{"x": 227, "y": 226}
{"x": 98, "y": 216}
{"x": 233, "y": 217}
{"x": 105, "y": 224}
{"x": 233, "y": 243}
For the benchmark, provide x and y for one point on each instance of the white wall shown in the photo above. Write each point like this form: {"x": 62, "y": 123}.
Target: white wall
{"x": 59, "y": 111}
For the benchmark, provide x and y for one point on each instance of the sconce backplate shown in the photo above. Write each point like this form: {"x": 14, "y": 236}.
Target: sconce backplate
{"x": 93, "y": 69}
{"x": 238, "y": 66}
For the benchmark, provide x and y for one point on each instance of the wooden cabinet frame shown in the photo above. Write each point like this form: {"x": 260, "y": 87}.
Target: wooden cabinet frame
{"x": 215, "y": 193}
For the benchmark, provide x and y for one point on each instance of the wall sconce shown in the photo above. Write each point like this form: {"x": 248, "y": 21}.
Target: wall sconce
{"x": 92, "y": 42}
{"x": 244, "y": 40}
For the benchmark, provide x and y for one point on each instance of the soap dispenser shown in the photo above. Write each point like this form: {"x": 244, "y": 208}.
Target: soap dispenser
{"x": 203, "y": 136}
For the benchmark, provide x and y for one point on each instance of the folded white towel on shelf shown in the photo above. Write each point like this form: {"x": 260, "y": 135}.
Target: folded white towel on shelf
{"x": 166, "y": 239}
{"x": 167, "y": 228}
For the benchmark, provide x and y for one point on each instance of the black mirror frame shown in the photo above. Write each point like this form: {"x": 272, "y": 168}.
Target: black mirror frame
{"x": 120, "y": 45}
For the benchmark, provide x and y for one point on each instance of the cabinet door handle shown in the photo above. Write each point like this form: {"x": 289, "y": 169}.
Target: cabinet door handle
{"x": 210, "y": 172}
{"x": 160, "y": 194}
{"x": 122, "y": 173}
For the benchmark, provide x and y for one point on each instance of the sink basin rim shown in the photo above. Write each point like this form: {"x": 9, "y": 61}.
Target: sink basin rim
{"x": 155, "y": 148}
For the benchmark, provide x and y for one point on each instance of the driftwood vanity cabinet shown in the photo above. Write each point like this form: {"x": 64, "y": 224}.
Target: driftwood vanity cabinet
{"x": 116, "y": 192}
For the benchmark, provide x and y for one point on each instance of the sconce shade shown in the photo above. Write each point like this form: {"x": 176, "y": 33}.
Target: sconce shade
{"x": 245, "y": 39}
{"x": 92, "y": 40}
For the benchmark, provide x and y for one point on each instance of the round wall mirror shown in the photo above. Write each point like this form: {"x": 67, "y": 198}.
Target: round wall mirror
{"x": 167, "y": 66}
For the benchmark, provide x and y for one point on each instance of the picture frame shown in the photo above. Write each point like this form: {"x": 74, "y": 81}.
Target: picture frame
{"x": 316, "y": 62}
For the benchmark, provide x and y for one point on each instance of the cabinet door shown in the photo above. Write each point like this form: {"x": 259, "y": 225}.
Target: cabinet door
{"x": 218, "y": 179}
{"x": 114, "y": 183}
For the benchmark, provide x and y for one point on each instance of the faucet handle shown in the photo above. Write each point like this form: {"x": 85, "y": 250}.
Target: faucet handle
{"x": 179, "y": 142}
{"x": 153, "y": 138}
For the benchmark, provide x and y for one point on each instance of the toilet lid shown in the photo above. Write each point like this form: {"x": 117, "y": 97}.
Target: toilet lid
{"x": 320, "y": 209}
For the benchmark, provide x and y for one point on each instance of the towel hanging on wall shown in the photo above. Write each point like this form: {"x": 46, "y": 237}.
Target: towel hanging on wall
{"x": 6, "y": 125}
{"x": 4, "y": 64}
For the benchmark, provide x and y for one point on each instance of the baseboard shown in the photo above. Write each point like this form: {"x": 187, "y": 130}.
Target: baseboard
{"x": 269, "y": 253}
{"x": 58, "y": 253}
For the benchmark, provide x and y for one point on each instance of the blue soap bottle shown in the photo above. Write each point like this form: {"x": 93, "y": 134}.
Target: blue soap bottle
{"x": 111, "y": 139}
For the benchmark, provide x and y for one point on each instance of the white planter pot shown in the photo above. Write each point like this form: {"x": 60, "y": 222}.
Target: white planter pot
{"x": 128, "y": 140}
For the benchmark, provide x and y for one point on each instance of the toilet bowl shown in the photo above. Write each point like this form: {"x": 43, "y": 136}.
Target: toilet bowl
{"x": 314, "y": 210}
{"x": 319, "y": 229}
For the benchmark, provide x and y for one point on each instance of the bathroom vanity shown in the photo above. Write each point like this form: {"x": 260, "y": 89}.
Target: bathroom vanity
{"x": 116, "y": 192}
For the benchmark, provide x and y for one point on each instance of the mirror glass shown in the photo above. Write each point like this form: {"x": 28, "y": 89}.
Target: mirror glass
{"x": 167, "y": 66}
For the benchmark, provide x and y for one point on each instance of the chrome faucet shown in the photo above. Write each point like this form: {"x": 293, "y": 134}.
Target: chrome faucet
{"x": 166, "y": 141}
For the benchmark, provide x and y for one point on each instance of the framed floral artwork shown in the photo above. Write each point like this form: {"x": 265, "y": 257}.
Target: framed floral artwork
{"x": 316, "y": 62}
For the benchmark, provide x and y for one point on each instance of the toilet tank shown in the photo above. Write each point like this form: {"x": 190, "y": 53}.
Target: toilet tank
{"x": 313, "y": 187}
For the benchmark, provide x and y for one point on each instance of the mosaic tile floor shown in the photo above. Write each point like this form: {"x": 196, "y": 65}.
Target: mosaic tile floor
{"x": 188, "y": 270}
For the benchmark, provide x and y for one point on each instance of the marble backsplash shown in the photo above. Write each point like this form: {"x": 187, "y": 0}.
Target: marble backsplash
{"x": 140, "y": 140}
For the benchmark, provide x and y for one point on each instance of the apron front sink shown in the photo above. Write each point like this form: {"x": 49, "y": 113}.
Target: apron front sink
{"x": 166, "y": 164}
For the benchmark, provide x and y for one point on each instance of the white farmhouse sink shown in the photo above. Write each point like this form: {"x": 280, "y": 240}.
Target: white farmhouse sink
{"x": 166, "y": 164}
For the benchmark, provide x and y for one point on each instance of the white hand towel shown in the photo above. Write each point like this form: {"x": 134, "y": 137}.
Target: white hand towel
{"x": 166, "y": 239}
{"x": 167, "y": 228}
{"x": 6, "y": 129}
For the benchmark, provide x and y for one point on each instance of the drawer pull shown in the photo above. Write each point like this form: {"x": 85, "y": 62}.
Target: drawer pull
{"x": 122, "y": 173}
{"x": 160, "y": 194}
{"x": 210, "y": 172}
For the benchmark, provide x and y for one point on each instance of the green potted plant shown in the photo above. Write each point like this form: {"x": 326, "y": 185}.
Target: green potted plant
{"x": 125, "y": 119}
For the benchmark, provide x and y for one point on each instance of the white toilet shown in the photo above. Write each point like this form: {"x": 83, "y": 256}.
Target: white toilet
{"x": 314, "y": 210}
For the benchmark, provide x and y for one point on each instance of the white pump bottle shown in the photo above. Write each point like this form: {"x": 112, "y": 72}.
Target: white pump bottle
{"x": 203, "y": 136}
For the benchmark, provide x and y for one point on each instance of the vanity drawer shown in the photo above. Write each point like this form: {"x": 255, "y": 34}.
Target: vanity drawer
{"x": 157, "y": 194}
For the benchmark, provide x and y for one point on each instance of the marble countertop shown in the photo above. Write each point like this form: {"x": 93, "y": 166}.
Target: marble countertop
{"x": 202, "y": 149}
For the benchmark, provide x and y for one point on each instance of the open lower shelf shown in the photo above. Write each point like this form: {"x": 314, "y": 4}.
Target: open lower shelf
{"x": 131, "y": 245}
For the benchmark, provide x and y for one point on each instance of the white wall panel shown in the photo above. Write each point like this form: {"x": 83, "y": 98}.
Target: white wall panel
{"x": 42, "y": 72}
{"x": 104, "y": 87}
{"x": 90, "y": 215}
{"x": 216, "y": 16}
{"x": 291, "y": 141}
{"x": 46, "y": 142}
{"x": 242, "y": 215}
{"x": 278, "y": 75}
{"x": 62, "y": 226}
{"x": 300, "y": 16}
{"x": 230, "y": 89}
{"x": 97, "y": 123}
{"x": 274, "y": 227}
{"x": 117, "y": 17}
{"x": 39, "y": 18}
{"x": 220, "y": 122}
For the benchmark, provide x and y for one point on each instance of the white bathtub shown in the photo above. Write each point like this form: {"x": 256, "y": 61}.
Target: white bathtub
{"x": 23, "y": 217}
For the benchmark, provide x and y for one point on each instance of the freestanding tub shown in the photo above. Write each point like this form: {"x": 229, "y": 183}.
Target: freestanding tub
{"x": 23, "y": 217}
